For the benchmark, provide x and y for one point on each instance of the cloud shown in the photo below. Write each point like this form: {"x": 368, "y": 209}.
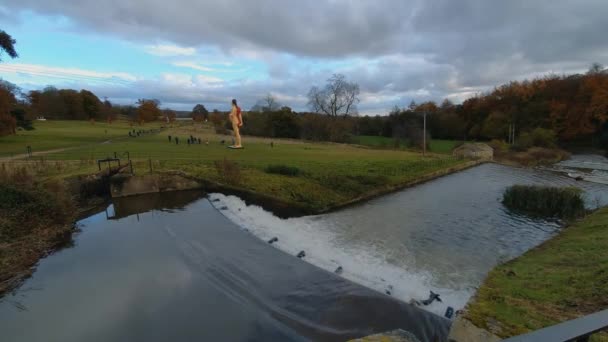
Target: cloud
{"x": 169, "y": 50}
{"x": 69, "y": 74}
{"x": 397, "y": 50}
{"x": 193, "y": 65}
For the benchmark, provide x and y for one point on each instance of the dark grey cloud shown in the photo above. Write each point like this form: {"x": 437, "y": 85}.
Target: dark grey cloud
{"x": 400, "y": 49}
{"x": 315, "y": 28}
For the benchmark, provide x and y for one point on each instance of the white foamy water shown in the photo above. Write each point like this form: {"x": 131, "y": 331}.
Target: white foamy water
{"x": 444, "y": 235}
{"x": 369, "y": 266}
{"x": 591, "y": 168}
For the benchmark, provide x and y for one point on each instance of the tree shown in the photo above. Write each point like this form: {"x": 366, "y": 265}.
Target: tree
{"x": 595, "y": 68}
{"x": 90, "y": 104}
{"x": 21, "y": 118}
{"x": 148, "y": 110}
{"x": 169, "y": 115}
{"x": 7, "y": 102}
{"x": 283, "y": 124}
{"x": 338, "y": 97}
{"x": 108, "y": 111}
{"x": 268, "y": 104}
{"x": 7, "y": 44}
{"x": 73, "y": 105}
{"x": 199, "y": 113}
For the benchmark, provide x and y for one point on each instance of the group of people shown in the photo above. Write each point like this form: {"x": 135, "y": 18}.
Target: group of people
{"x": 236, "y": 119}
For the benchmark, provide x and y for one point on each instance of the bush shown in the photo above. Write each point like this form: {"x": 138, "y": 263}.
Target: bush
{"x": 318, "y": 127}
{"x": 222, "y": 130}
{"x": 499, "y": 145}
{"x": 26, "y": 208}
{"x": 523, "y": 142}
{"x": 539, "y": 137}
{"x": 283, "y": 170}
{"x": 543, "y": 201}
{"x": 228, "y": 171}
{"x": 543, "y": 138}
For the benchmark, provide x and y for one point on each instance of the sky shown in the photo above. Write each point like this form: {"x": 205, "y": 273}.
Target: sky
{"x": 185, "y": 52}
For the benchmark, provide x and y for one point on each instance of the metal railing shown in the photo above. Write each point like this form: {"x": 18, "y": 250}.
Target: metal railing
{"x": 578, "y": 329}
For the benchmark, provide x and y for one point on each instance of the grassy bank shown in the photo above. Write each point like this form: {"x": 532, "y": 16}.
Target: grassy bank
{"x": 36, "y": 213}
{"x": 322, "y": 176}
{"x": 34, "y": 219}
{"x": 532, "y": 157}
{"x": 436, "y": 145}
{"x": 562, "y": 279}
{"x": 49, "y": 135}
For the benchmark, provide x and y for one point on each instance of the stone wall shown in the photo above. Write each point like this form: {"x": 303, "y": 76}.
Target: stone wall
{"x": 123, "y": 185}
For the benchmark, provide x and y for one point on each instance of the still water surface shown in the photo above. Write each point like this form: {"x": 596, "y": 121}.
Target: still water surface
{"x": 183, "y": 267}
{"x": 172, "y": 268}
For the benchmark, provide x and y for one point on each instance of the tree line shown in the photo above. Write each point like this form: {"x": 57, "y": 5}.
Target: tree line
{"x": 550, "y": 110}
{"x": 555, "y": 109}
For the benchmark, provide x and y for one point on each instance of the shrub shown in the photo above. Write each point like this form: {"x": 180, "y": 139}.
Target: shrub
{"x": 499, "y": 145}
{"x": 228, "y": 171}
{"x": 283, "y": 170}
{"x": 26, "y": 208}
{"x": 523, "y": 142}
{"x": 222, "y": 130}
{"x": 547, "y": 155}
{"x": 539, "y": 137}
{"x": 542, "y": 137}
{"x": 544, "y": 201}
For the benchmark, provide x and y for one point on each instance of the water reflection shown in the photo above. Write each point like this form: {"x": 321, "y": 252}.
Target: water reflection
{"x": 183, "y": 272}
{"x": 170, "y": 201}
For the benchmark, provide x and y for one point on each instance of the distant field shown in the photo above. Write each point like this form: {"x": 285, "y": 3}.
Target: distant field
{"x": 437, "y": 145}
{"x": 330, "y": 174}
{"x": 443, "y": 146}
{"x": 61, "y": 134}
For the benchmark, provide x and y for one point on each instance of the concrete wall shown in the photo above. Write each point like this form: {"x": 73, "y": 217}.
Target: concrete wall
{"x": 123, "y": 185}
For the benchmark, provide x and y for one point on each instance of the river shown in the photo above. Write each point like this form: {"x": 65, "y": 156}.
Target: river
{"x": 172, "y": 268}
{"x": 186, "y": 267}
{"x": 443, "y": 235}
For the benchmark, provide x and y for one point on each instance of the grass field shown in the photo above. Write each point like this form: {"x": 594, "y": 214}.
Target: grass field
{"x": 562, "y": 279}
{"x": 330, "y": 174}
{"x": 50, "y": 135}
{"x": 436, "y": 145}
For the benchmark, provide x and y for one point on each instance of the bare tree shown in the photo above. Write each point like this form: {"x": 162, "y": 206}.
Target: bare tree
{"x": 595, "y": 68}
{"x": 338, "y": 97}
{"x": 268, "y": 104}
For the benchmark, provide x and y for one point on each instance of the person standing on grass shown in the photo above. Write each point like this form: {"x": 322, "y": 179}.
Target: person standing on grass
{"x": 237, "y": 122}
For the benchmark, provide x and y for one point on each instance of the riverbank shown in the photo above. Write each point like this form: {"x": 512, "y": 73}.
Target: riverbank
{"x": 35, "y": 219}
{"x": 285, "y": 200}
{"x": 61, "y": 191}
{"x": 535, "y": 156}
{"x": 559, "y": 280}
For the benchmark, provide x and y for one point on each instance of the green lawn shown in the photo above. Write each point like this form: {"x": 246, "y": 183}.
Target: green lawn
{"x": 562, "y": 279}
{"x": 443, "y": 146}
{"x": 49, "y": 135}
{"x": 331, "y": 174}
{"x": 436, "y": 145}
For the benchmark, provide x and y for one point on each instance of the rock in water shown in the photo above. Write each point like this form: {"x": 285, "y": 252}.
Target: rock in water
{"x": 274, "y": 239}
{"x": 301, "y": 254}
{"x": 432, "y": 297}
{"x": 449, "y": 312}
